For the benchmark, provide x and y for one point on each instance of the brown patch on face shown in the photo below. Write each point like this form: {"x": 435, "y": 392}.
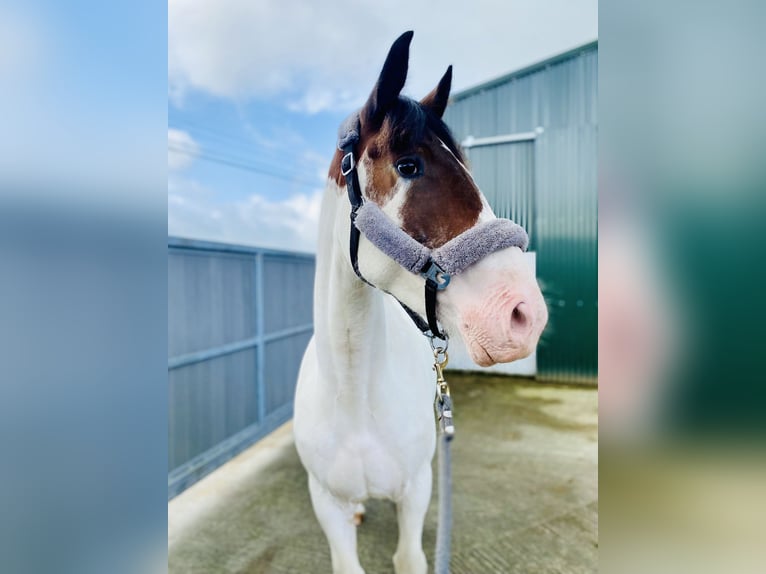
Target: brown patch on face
{"x": 443, "y": 202}
{"x": 381, "y": 173}
{"x": 335, "y": 172}
{"x": 440, "y": 204}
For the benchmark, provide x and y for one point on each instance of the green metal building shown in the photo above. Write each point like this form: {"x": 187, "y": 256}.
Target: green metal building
{"x": 532, "y": 140}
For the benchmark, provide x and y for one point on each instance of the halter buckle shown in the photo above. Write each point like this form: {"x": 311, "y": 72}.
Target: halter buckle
{"x": 347, "y": 164}
{"x": 436, "y": 274}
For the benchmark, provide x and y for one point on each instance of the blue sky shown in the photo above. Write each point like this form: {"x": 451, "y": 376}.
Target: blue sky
{"x": 256, "y": 91}
{"x": 291, "y": 149}
{"x": 76, "y": 80}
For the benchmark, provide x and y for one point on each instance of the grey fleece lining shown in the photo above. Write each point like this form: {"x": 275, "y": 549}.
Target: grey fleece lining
{"x": 474, "y": 244}
{"x": 390, "y": 239}
{"x": 348, "y": 131}
{"x": 454, "y": 256}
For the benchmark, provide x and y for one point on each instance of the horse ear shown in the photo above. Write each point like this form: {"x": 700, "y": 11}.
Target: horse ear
{"x": 437, "y": 99}
{"x": 391, "y": 81}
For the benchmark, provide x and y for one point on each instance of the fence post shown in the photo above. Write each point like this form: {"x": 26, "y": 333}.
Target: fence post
{"x": 260, "y": 354}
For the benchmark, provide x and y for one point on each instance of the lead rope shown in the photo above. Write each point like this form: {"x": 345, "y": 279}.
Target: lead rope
{"x": 443, "y": 408}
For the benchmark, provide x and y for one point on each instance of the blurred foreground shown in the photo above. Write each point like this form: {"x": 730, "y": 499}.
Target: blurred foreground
{"x": 682, "y": 201}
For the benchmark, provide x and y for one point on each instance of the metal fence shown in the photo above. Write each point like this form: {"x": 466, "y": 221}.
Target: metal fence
{"x": 239, "y": 319}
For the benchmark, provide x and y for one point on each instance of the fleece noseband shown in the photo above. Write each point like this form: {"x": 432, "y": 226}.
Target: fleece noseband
{"x": 436, "y": 266}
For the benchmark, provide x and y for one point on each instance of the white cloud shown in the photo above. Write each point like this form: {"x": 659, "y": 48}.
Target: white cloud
{"x": 325, "y": 55}
{"x": 317, "y": 99}
{"x": 182, "y": 149}
{"x": 291, "y": 223}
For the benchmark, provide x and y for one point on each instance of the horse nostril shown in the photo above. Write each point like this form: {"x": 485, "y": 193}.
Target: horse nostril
{"x": 520, "y": 320}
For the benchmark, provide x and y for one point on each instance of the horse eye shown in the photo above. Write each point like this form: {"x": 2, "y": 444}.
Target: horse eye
{"x": 408, "y": 167}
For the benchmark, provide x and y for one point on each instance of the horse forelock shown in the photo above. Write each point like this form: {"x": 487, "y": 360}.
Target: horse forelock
{"x": 408, "y": 124}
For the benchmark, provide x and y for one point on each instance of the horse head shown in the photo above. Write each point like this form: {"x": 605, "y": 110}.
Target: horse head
{"x": 410, "y": 167}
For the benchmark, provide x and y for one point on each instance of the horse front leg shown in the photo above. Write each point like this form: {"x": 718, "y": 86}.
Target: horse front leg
{"x": 337, "y": 519}
{"x": 411, "y": 513}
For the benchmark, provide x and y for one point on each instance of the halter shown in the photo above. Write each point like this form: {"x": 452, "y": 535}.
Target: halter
{"x": 435, "y": 266}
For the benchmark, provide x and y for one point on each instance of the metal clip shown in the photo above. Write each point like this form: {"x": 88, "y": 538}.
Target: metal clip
{"x": 439, "y": 349}
{"x": 443, "y": 402}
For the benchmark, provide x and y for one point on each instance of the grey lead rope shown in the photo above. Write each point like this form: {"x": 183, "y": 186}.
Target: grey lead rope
{"x": 443, "y": 407}
{"x": 444, "y": 527}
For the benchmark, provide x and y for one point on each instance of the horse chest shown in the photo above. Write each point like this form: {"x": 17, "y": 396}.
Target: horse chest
{"x": 366, "y": 465}
{"x": 357, "y": 457}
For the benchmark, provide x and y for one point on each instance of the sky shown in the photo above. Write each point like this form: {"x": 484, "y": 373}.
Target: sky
{"x": 256, "y": 91}
{"x": 80, "y": 96}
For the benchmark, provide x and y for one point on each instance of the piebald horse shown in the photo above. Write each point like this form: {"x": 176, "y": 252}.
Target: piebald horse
{"x": 364, "y": 421}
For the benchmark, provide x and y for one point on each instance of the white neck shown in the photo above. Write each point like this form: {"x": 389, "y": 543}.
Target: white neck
{"x": 349, "y": 315}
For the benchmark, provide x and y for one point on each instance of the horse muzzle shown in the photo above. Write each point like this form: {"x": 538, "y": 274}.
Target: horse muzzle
{"x": 498, "y": 308}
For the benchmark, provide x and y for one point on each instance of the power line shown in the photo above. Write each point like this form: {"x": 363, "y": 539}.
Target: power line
{"x": 240, "y": 165}
{"x": 271, "y": 155}
{"x": 229, "y": 139}
{"x": 193, "y": 151}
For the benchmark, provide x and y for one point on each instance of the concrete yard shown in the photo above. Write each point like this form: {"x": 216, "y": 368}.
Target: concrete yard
{"x": 525, "y": 494}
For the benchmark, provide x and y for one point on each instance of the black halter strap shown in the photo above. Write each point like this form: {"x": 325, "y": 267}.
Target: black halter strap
{"x": 348, "y": 169}
{"x": 431, "y": 271}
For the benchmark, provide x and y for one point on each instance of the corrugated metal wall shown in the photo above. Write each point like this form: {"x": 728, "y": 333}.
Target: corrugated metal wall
{"x": 558, "y": 204}
{"x": 506, "y": 175}
{"x": 239, "y": 320}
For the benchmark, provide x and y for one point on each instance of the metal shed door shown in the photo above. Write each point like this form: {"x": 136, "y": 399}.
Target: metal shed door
{"x": 505, "y": 173}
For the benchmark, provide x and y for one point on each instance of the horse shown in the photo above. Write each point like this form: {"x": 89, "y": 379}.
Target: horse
{"x": 363, "y": 417}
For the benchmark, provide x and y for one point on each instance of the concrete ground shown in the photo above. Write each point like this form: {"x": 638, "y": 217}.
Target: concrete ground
{"x": 525, "y": 494}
